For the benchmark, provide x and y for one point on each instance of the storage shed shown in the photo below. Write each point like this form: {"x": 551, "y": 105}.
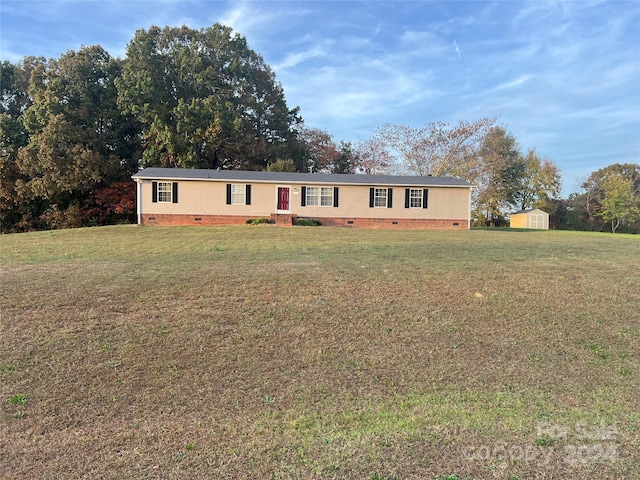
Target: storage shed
{"x": 533, "y": 218}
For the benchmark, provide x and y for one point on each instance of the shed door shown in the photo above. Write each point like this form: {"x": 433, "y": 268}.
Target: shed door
{"x": 536, "y": 221}
{"x": 283, "y": 199}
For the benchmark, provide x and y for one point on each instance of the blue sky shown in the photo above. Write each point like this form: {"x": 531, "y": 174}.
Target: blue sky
{"x": 562, "y": 76}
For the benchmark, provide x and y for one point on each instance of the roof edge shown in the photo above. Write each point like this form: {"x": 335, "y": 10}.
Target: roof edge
{"x": 182, "y": 174}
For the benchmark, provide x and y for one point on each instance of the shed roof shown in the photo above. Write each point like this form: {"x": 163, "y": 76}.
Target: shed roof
{"x": 530, "y": 210}
{"x": 299, "y": 178}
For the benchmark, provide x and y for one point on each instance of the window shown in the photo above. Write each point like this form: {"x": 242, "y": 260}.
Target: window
{"x": 165, "y": 192}
{"x": 326, "y": 197}
{"x": 320, "y": 196}
{"x": 238, "y": 194}
{"x": 380, "y": 197}
{"x": 416, "y": 198}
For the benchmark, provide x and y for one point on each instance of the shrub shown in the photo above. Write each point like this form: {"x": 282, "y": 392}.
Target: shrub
{"x": 307, "y": 222}
{"x": 258, "y": 221}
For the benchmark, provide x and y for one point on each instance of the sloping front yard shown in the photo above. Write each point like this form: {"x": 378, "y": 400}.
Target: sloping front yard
{"x": 265, "y": 352}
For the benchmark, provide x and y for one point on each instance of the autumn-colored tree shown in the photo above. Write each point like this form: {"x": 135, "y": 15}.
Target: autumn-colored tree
{"x": 321, "y": 149}
{"x": 78, "y": 139}
{"x": 323, "y": 154}
{"x": 111, "y": 203}
{"x": 372, "y": 157}
{"x": 436, "y": 149}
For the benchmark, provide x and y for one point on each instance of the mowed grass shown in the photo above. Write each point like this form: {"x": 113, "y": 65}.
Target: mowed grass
{"x": 266, "y": 352}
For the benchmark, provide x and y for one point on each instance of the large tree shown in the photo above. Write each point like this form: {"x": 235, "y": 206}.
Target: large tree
{"x": 535, "y": 182}
{"x": 346, "y": 161}
{"x": 630, "y": 171}
{"x": 611, "y": 194}
{"x": 205, "y": 99}
{"x": 499, "y": 153}
{"x": 321, "y": 150}
{"x": 14, "y": 100}
{"x": 78, "y": 139}
{"x": 436, "y": 149}
{"x": 619, "y": 204}
{"x": 507, "y": 180}
{"x": 14, "y": 85}
{"x": 323, "y": 154}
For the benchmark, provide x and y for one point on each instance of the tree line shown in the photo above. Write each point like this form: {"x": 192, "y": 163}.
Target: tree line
{"x": 74, "y": 129}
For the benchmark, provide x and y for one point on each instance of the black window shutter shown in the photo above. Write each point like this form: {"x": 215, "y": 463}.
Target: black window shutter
{"x": 303, "y": 200}
{"x": 248, "y": 195}
{"x": 335, "y": 196}
{"x": 228, "y": 194}
{"x": 425, "y": 198}
{"x": 154, "y": 192}
{"x": 174, "y": 187}
{"x": 371, "y": 197}
{"x": 406, "y": 198}
{"x": 389, "y": 197}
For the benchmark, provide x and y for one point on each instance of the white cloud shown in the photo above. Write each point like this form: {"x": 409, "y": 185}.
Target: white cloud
{"x": 242, "y": 16}
{"x": 455, "y": 45}
{"x": 295, "y": 58}
{"x": 513, "y": 83}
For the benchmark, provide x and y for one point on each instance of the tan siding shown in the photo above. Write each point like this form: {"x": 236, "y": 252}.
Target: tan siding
{"x": 209, "y": 198}
{"x": 519, "y": 220}
{"x": 536, "y": 219}
{"x": 354, "y": 202}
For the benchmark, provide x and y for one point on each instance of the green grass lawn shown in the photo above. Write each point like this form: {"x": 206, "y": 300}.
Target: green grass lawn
{"x": 266, "y": 352}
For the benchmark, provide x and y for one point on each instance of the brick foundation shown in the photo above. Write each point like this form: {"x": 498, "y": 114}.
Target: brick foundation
{"x": 287, "y": 220}
{"x": 163, "y": 219}
{"x": 283, "y": 219}
{"x": 394, "y": 223}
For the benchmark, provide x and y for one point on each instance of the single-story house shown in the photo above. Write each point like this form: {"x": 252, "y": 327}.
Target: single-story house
{"x": 177, "y": 196}
{"x": 531, "y": 218}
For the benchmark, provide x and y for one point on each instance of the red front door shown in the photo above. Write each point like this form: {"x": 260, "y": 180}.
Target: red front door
{"x": 283, "y": 198}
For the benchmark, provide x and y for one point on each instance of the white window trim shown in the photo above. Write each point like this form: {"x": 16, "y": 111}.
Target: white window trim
{"x": 238, "y": 194}
{"x": 419, "y": 198}
{"x": 319, "y": 196}
{"x": 165, "y": 196}
{"x": 377, "y": 197}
